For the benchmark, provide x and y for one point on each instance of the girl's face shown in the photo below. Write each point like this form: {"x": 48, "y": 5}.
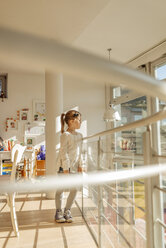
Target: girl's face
{"x": 75, "y": 124}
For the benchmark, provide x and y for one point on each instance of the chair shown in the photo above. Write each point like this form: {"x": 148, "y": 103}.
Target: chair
{"x": 16, "y": 155}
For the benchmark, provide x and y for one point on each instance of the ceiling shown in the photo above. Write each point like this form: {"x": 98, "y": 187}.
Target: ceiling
{"x": 129, "y": 27}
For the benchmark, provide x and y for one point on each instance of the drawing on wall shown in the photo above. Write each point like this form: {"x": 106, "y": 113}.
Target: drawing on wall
{"x": 24, "y": 115}
{"x": 11, "y": 124}
{"x": 39, "y": 110}
{"x": 30, "y": 141}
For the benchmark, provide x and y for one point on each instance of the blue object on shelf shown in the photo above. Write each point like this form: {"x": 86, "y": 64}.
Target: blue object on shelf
{"x": 42, "y": 154}
{"x": 6, "y": 173}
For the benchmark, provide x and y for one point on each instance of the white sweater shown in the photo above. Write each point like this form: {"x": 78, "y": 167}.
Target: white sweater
{"x": 70, "y": 151}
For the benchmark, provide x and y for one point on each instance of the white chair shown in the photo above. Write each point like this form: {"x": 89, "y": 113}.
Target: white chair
{"x": 16, "y": 155}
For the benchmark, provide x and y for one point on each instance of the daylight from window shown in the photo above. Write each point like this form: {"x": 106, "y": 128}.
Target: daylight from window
{"x": 160, "y": 72}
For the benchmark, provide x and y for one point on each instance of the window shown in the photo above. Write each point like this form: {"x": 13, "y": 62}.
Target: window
{"x": 160, "y": 72}
{"x": 3, "y": 85}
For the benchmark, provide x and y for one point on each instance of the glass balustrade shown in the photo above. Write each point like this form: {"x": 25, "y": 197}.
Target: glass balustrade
{"x": 116, "y": 211}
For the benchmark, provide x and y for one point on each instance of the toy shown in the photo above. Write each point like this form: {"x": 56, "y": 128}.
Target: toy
{"x": 42, "y": 153}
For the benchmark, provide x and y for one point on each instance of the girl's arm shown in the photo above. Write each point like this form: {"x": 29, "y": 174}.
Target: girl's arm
{"x": 64, "y": 152}
{"x": 80, "y": 161}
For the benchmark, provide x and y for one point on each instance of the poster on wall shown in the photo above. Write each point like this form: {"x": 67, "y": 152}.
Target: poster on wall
{"x": 39, "y": 110}
{"x": 24, "y": 115}
{"x": 29, "y": 141}
{"x": 12, "y": 124}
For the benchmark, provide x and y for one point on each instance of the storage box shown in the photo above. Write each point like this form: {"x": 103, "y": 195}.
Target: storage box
{"x": 41, "y": 164}
{"x": 40, "y": 168}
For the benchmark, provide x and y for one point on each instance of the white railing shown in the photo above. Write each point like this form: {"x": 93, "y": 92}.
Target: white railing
{"x": 152, "y": 236}
{"x": 143, "y": 122}
{"x": 28, "y": 51}
{"x": 100, "y": 180}
{"x": 41, "y": 55}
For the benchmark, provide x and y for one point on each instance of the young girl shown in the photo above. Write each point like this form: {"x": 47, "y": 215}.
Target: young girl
{"x": 70, "y": 160}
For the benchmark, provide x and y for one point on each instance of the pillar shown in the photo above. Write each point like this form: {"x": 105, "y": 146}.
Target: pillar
{"x": 54, "y": 108}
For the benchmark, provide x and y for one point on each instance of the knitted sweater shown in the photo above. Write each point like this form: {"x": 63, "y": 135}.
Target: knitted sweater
{"x": 70, "y": 151}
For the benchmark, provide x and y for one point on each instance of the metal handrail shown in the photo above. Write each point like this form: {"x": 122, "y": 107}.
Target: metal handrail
{"x": 143, "y": 122}
{"x": 161, "y": 223}
{"x": 117, "y": 231}
{"x": 106, "y": 219}
{"x": 42, "y": 53}
{"x": 125, "y": 197}
{"x": 139, "y": 233}
{"x": 108, "y": 238}
{"x": 161, "y": 189}
{"x": 121, "y": 216}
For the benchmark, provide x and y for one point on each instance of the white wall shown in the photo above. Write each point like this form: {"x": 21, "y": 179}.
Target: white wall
{"x": 23, "y": 88}
{"x": 89, "y": 97}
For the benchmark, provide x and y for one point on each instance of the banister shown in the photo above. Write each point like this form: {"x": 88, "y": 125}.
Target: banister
{"x": 143, "y": 122}
{"x": 161, "y": 223}
{"x": 22, "y": 50}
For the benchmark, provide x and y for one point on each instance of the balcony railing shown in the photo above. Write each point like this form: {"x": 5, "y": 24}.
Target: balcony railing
{"x": 126, "y": 211}
{"x": 118, "y": 214}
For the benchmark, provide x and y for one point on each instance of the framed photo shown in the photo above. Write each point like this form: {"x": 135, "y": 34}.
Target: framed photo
{"x": 24, "y": 115}
{"x": 39, "y": 110}
{"x": 12, "y": 124}
{"x": 29, "y": 141}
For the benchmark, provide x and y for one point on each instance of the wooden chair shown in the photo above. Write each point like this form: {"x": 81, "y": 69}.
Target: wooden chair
{"x": 16, "y": 155}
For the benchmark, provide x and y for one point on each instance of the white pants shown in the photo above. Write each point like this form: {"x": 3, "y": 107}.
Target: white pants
{"x": 70, "y": 199}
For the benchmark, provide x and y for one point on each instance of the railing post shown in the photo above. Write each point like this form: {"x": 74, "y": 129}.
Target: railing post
{"x": 148, "y": 192}
{"x": 99, "y": 197}
{"x": 82, "y": 191}
{"x": 153, "y": 206}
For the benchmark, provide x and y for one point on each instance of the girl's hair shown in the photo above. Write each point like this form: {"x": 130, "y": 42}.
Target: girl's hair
{"x": 70, "y": 115}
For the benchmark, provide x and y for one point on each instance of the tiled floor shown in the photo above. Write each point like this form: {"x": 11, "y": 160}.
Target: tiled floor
{"x": 37, "y": 227}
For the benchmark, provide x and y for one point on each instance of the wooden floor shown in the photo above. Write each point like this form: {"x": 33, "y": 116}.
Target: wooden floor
{"x": 37, "y": 227}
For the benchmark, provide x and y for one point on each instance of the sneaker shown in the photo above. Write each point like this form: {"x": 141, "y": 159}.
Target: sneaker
{"x": 59, "y": 216}
{"x": 67, "y": 215}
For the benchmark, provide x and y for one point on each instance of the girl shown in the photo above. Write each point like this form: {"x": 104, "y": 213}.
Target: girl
{"x": 70, "y": 159}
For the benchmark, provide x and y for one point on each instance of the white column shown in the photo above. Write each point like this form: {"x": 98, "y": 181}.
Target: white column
{"x": 54, "y": 108}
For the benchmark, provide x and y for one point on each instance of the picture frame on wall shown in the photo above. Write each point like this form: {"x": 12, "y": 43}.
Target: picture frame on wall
{"x": 29, "y": 141}
{"x": 24, "y": 115}
{"x": 39, "y": 110}
{"x": 12, "y": 125}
